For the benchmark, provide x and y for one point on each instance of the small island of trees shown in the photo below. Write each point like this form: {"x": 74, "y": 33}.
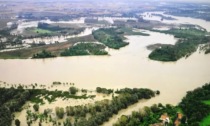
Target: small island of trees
{"x": 110, "y": 37}
{"x": 189, "y": 40}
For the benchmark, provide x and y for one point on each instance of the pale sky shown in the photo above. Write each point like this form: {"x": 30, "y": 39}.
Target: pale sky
{"x": 199, "y": 1}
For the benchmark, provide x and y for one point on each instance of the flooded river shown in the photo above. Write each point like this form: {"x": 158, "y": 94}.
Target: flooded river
{"x": 127, "y": 67}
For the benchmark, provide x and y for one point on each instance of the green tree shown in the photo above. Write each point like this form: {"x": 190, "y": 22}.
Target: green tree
{"x": 59, "y": 112}
{"x": 17, "y": 122}
{"x": 36, "y": 107}
{"x": 73, "y": 90}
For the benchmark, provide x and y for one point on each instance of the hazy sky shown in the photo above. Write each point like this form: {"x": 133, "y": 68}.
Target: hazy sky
{"x": 198, "y": 1}
{"x": 206, "y": 1}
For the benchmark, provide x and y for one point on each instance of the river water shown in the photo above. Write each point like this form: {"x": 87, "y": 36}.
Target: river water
{"x": 127, "y": 67}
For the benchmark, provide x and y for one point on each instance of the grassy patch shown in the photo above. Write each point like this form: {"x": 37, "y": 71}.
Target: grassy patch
{"x": 129, "y": 31}
{"x": 42, "y": 31}
{"x": 207, "y": 102}
{"x": 206, "y": 121}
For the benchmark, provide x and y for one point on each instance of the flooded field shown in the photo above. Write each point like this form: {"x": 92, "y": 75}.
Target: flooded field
{"x": 126, "y": 67}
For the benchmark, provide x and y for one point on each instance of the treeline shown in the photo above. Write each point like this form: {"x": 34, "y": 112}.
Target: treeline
{"x": 193, "y": 105}
{"x": 100, "y": 112}
{"x": 150, "y": 115}
{"x": 189, "y": 40}
{"x": 104, "y": 90}
{"x": 140, "y": 92}
{"x": 85, "y": 49}
{"x": 43, "y": 54}
{"x": 110, "y": 37}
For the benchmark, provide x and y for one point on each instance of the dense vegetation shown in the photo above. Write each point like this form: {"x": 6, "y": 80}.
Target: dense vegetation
{"x": 194, "y": 106}
{"x": 85, "y": 49}
{"x": 43, "y": 54}
{"x": 149, "y": 115}
{"x": 12, "y": 100}
{"x": 189, "y": 40}
{"x": 110, "y": 37}
{"x": 101, "y": 111}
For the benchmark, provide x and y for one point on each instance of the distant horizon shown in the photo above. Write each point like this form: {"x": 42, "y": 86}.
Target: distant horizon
{"x": 197, "y": 1}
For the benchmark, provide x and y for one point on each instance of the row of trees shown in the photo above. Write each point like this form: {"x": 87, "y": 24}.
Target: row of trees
{"x": 104, "y": 90}
{"x": 101, "y": 111}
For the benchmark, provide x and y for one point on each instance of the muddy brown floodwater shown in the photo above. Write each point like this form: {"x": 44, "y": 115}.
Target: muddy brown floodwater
{"x": 127, "y": 67}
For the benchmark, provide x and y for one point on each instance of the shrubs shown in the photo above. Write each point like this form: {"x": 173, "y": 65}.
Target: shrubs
{"x": 36, "y": 107}
{"x": 43, "y": 54}
{"x": 17, "y": 122}
{"x": 59, "y": 112}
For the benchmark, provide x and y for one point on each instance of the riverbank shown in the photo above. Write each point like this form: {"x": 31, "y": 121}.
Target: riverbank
{"x": 53, "y": 48}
